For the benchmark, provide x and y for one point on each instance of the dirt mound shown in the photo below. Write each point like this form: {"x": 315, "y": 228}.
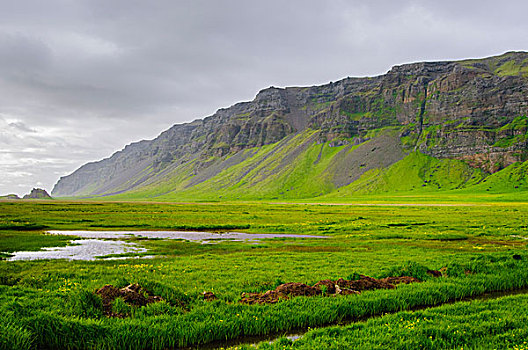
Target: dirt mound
{"x": 133, "y": 295}
{"x": 326, "y": 287}
{"x": 400, "y": 280}
{"x": 269, "y": 297}
{"x": 297, "y": 289}
{"x": 284, "y": 291}
{"x": 364, "y": 283}
{"x": 209, "y": 296}
{"x": 434, "y": 273}
{"x": 345, "y": 291}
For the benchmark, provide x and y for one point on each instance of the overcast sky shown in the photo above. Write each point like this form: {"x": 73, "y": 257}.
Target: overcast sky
{"x": 81, "y": 79}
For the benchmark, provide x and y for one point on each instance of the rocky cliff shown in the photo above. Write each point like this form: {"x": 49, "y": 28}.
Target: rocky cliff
{"x": 472, "y": 110}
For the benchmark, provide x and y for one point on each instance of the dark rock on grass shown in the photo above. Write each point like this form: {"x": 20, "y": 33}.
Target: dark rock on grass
{"x": 108, "y": 292}
{"x": 133, "y": 295}
{"x": 255, "y": 298}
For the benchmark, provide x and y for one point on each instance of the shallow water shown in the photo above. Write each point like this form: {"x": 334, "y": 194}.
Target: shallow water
{"x": 84, "y": 249}
{"x": 97, "y": 244}
{"x": 186, "y": 235}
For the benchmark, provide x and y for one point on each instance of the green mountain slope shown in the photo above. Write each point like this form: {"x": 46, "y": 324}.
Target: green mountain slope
{"x": 514, "y": 178}
{"x": 416, "y": 172}
{"x": 296, "y": 167}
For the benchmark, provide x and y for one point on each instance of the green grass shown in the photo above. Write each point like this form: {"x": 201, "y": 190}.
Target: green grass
{"x": 50, "y": 303}
{"x": 487, "y": 324}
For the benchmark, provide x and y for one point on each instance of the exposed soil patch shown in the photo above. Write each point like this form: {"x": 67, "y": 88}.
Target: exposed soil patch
{"x": 133, "y": 295}
{"x": 209, "y": 296}
{"x": 436, "y": 273}
{"x": 403, "y": 279}
{"x": 324, "y": 287}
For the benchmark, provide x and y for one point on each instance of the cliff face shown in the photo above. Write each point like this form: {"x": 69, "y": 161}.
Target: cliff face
{"x": 472, "y": 110}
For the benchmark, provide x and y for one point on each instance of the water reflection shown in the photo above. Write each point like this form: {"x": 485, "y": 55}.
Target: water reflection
{"x": 96, "y": 244}
{"x": 185, "y": 235}
{"x": 85, "y": 249}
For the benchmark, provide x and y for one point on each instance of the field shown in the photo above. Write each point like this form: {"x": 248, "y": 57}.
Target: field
{"x": 480, "y": 247}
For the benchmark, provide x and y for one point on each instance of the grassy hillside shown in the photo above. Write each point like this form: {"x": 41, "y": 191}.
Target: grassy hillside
{"x": 416, "y": 172}
{"x": 296, "y": 167}
{"x": 510, "y": 179}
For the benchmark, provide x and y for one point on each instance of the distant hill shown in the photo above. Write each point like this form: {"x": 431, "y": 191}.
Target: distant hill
{"x": 428, "y": 126}
{"x": 10, "y": 196}
{"x": 37, "y": 193}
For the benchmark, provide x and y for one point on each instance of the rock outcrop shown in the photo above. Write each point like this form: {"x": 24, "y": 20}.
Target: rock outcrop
{"x": 37, "y": 193}
{"x": 473, "y": 110}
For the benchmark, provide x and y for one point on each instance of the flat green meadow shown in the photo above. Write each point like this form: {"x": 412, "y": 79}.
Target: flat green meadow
{"x": 480, "y": 245}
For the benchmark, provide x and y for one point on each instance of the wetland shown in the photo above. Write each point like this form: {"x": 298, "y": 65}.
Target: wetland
{"x": 477, "y": 249}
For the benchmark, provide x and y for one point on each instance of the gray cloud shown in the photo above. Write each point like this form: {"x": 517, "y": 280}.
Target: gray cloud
{"x": 21, "y": 127}
{"x": 80, "y": 79}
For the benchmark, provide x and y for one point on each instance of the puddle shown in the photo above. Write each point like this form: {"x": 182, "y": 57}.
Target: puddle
{"x": 85, "y": 249}
{"x": 97, "y": 244}
{"x": 204, "y": 237}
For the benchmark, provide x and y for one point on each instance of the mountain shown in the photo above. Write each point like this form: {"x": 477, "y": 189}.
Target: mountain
{"x": 423, "y": 126}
